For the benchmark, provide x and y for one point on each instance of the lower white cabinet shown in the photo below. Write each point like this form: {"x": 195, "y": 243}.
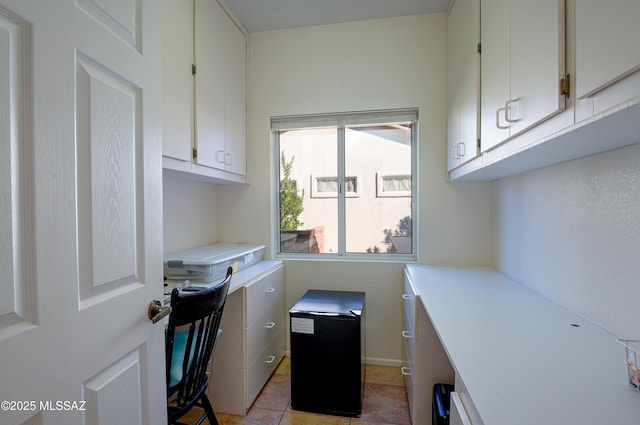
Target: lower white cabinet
{"x": 519, "y": 358}
{"x": 425, "y": 362}
{"x": 252, "y": 342}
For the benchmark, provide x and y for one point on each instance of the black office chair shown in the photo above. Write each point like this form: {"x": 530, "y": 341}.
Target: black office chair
{"x": 194, "y": 325}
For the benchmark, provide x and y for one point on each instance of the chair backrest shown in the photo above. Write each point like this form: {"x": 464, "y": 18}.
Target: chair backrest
{"x": 194, "y": 323}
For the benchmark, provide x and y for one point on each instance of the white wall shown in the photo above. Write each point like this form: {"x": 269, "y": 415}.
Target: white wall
{"x": 381, "y": 64}
{"x": 189, "y": 214}
{"x": 572, "y": 233}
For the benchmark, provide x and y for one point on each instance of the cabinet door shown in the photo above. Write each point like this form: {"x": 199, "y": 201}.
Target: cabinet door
{"x": 220, "y": 95}
{"x": 495, "y": 75}
{"x": 177, "y": 81}
{"x": 463, "y": 80}
{"x": 521, "y": 66}
{"x": 607, "y": 36}
{"x": 235, "y": 99}
{"x": 209, "y": 83}
{"x": 537, "y": 62}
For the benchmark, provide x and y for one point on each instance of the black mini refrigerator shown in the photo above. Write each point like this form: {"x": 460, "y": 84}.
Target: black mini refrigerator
{"x": 327, "y": 352}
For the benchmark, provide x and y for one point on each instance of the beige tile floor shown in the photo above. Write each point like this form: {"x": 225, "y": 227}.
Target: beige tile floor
{"x": 385, "y": 402}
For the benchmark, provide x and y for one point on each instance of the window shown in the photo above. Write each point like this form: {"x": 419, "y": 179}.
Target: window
{"x": 327, "y": 187}
{"x": 354, "y": 188}
{"x": 394, "y": 185}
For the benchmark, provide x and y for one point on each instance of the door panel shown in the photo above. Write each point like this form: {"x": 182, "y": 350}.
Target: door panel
{"x": 107, "y": 116}
{"x": 17, "y": 283}
{"x": 122, "y": 18}
{"x": 79, "y": 233}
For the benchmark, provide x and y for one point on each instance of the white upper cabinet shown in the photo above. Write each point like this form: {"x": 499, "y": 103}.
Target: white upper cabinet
{"x": 522, "y": 65}
{"x": 177, "y": 82}
{"x": 463, "y": 81}
{"x": 607, "y": 43}
{"x": 607, "y": 58}
{"x": 204, "y": 92}
{"x": 220, "y": 87}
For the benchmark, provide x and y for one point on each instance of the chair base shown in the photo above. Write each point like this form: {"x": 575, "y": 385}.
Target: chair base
{"x": 175, "y": 414}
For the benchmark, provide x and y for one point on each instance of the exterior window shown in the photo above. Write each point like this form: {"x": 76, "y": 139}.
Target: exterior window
{"x": 327, "y": 187}
{"x": 359, "y": 169}
{"x": 394, "y": 185}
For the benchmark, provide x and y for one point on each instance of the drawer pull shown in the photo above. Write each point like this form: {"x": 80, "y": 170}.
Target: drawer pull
{"x": 270, "y": 360}
{"x": 407, "y": 297}
{"x": 407, "y": 334}
{"x": 270, "y": 290}
{"x": 270, "y": 325}
{"x": 405, "y": 371}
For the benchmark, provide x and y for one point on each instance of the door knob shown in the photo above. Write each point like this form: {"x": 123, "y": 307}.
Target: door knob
{"x": 157, "y": 311}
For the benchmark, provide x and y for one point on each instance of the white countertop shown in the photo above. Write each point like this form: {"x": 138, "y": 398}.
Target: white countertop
{"x": 519, "y": 355}
{"x": 245, "y": 277}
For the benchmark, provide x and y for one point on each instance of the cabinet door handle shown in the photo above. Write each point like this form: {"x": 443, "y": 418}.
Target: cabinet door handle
{"x": 501, "y": 127}
{"x": 507, "y": 110}
{"x": 270, "y": 359}
{"x": 405, "y": 371}
{"x": 229, "y": 159}
{"x": 220, "y": 157}
{"x": 460, "y": 150}
{"x": 270, "y": 290}
{"x": 270, "y": 325}
{"x": 407, "y": 334}
{"x": 407, "y": 297}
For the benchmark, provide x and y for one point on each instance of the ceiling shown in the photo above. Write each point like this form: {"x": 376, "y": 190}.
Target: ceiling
{"x": 267, "y": 15}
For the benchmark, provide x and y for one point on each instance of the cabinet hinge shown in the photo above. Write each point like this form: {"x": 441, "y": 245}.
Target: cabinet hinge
{"x": 479, "y": 47}
{"x": 193, "y": 69}
{"x": 194, "y": 153}
{"x": 565, "y": 86}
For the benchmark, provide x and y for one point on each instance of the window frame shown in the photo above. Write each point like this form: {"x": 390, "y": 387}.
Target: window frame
{"x": 342, "y": 121}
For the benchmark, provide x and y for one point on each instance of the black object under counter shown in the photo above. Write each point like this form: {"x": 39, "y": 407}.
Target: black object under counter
{"x": 327, "y": 352}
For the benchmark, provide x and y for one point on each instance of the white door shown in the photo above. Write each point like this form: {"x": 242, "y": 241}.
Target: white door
{"x": 80, "y": 212}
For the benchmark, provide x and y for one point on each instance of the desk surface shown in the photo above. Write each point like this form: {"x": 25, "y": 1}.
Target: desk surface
{"x": 243, "y": 277}
{"x": 523, "y": 358}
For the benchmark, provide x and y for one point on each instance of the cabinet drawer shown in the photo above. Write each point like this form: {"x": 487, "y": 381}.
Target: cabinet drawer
{"x": 407, "y": 373}
{"x": 409, "y": 303}
{"x": 263, "y": 294}
{"x": 259, "y": 372}
{"x": 410, "y": 348}
{"x": 264, "y": 329}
